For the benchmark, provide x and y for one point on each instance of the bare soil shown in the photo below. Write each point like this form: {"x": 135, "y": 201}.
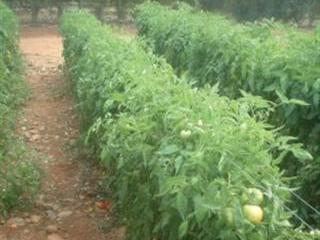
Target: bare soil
{"x": 66, "y": 207}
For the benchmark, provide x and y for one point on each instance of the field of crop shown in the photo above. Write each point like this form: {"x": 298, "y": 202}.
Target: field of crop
{"x": 203, "y": 128}
{"x": 277, "y": 62}
{"x": 183, "y": 163}
{"x": 18, "y": 177}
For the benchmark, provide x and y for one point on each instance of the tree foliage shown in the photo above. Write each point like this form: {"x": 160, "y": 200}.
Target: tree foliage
{"x": 241, "y": 9}
{"x": 257, "y": 9}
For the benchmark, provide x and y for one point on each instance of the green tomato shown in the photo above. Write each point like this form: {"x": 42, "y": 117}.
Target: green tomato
{"x": 252, "y": 196}
{"x": 253, "y": 213}
{"x": 185, "y": 134}
{"x": 200, "y": 123}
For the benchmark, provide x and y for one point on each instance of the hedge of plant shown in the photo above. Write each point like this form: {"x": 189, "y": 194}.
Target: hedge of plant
{"x": 18, "y": 177}
{"x": 274, "y": 61}
{"x": 182, "y": 163}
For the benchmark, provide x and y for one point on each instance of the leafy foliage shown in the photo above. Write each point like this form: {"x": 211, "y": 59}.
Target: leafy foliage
{"x": 270, "y": 60}
{"x": 177, "y": 157}
{"x": 18, "y": 177}
{"x": 244, "y": 10}
{"x": 258, "y": 9}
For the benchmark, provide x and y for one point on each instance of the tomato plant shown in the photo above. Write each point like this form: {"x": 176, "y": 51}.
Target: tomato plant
{"x": 18, "y": 177}
{"x": 177, "y": 157}
{"x": 267, "y": 59}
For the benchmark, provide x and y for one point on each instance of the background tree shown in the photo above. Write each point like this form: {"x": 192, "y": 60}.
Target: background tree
{"x": 59, "y": 4}
{"x": 121, "y": 8}
{"x": 250, "y": 10}
{"x": 35, "y": 6}
{"x": 243, "y": 10}
{"x": 99, "y": 7}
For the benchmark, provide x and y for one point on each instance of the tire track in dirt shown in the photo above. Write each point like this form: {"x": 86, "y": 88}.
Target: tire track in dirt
{"x": 65, "y": 208}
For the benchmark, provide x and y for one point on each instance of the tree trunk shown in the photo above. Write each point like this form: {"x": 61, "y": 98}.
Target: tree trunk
{"x": 99, "y": 10}
{"x": 34, "y": 14}
{"x": 120, "y": 5}
{"x": 81, "y": 3}
{"x": 313, "y": 12}
{"x": 60, "y": 10}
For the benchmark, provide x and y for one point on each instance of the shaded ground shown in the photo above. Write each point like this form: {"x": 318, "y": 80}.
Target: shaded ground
{"x": 67, "y": 204}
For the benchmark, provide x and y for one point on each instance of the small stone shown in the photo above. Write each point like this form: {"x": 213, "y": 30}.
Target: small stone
{"x": 35, "y": 219}
{"x": 41, "y": 197}
{"x": 27, "y": 135}
{"x": 13, "y": 226}
{"x": 55, "y": 207}
{"x": 51, "y": 214}
{"x": 64, "y": 214}
{"x": 35, "y": 137}
{"x": 28, "y": 220}
{"x": 34, "y": 131}
{"x": 16, "y": 222}
{"x": 70, "y": 200}
{"x": 51, "y": 229}
{"x": 54, "y": 237}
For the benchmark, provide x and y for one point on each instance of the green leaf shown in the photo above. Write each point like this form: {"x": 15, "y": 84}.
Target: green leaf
{"x": 301, "y": 154}
{"x": 282, "y": 97}
{"x": 298, "y": 102}
{"x": 221, "y": 162}
{"x": 183, "y": 229}
{"x": 285, "y": 100}
{"x": 178, "y": 163}
{"x": 199, "y": 210}
{"x": 170, "y": 149}
{"x": 182, "y": 204}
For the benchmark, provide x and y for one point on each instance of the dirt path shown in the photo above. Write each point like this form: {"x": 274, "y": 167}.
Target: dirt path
{"x": 65, "y": 208}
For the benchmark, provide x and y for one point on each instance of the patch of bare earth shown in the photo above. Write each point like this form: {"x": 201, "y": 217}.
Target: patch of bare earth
{"x": 66, "y": 207}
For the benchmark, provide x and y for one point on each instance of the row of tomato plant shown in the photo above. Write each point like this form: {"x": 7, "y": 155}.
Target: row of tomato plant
{"x": 267, "y": 59}
{"x": 182, "y": 163}
{"x": 18, "y": 177}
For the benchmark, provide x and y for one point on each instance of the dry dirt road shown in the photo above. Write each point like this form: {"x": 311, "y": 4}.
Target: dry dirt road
{"x": 66, "y": 205}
